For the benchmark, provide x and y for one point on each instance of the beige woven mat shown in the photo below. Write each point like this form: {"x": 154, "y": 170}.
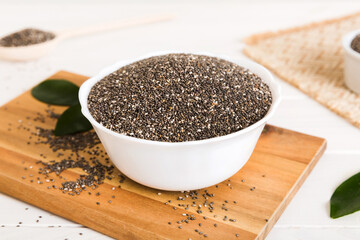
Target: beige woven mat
{"x": 311, "y": 59}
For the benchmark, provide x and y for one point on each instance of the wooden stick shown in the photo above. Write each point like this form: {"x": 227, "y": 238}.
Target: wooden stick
{"x": 113, "y": 25}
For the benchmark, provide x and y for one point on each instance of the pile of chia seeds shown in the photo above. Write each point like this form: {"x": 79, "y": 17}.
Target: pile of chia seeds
{"x": 179, "y": 97}
{"x": 76, "y": 151}
{"x": 28, "y": 36}
{"x": 355, "y": 44}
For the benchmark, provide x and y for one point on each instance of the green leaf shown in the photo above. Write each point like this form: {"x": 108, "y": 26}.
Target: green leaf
{"x": 56, "y": 92}
{"x": 72, "y": 121}
{"x": 346, "y": 198}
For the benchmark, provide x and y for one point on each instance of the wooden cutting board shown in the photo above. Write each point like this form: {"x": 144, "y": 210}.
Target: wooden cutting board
{"x": 261, "y": 189}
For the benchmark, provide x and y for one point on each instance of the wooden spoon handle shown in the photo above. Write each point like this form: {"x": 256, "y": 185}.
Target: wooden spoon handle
{"x": 113, "y": 25}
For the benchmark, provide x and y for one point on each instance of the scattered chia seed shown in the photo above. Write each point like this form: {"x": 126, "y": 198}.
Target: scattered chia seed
{"x": 179, "y": 97}
{"x": 25, "y": 37}
{"x": 95, "y": 173}
{"x": 74, "y": 142}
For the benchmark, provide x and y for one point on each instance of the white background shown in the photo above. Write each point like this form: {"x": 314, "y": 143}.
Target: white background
{"x": 212, "y": 26}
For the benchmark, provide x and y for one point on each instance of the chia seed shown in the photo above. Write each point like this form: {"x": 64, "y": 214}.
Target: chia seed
{"x": 179, "y": 97}
{"x": 355, "y": 44}
{"x": 25, "y": 37}
{"x": 75, "y": 142}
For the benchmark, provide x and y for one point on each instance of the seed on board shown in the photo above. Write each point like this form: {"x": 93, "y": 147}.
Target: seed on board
{"x": 153, "y": 98}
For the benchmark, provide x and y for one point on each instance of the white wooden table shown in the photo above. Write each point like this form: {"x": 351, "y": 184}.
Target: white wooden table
{"x": 200, "y": 26}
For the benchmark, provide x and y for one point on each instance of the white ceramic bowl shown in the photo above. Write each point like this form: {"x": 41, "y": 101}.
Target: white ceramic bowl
{"x": 351, "y": 63}
{"x": 184, "y": 165}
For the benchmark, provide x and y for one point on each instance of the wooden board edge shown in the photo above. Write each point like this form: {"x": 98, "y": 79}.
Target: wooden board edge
{"x": 292, "y": 192}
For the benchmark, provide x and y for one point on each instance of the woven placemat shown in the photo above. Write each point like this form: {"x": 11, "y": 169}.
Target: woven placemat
{"x": 311, "y": 58}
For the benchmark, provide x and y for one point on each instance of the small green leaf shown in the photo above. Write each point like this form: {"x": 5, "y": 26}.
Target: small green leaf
{"x": 72, "y": 121}
{"x": 56, "y": 92}
{"x": 346, "y": 198}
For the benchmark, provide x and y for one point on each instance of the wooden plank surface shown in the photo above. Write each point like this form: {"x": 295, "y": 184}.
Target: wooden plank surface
{"x": 280, "y": 163}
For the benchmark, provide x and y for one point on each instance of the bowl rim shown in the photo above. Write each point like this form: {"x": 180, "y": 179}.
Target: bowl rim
{"x": 346, "y": 43}
{"x": 248, "y": 64}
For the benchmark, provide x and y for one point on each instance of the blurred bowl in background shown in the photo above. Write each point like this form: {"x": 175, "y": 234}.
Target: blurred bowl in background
{"x": 351, "y": 62}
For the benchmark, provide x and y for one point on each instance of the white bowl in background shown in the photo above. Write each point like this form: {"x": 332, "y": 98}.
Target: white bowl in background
{"x": 351, "y": 62}
{"x": 180, "y": 166}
